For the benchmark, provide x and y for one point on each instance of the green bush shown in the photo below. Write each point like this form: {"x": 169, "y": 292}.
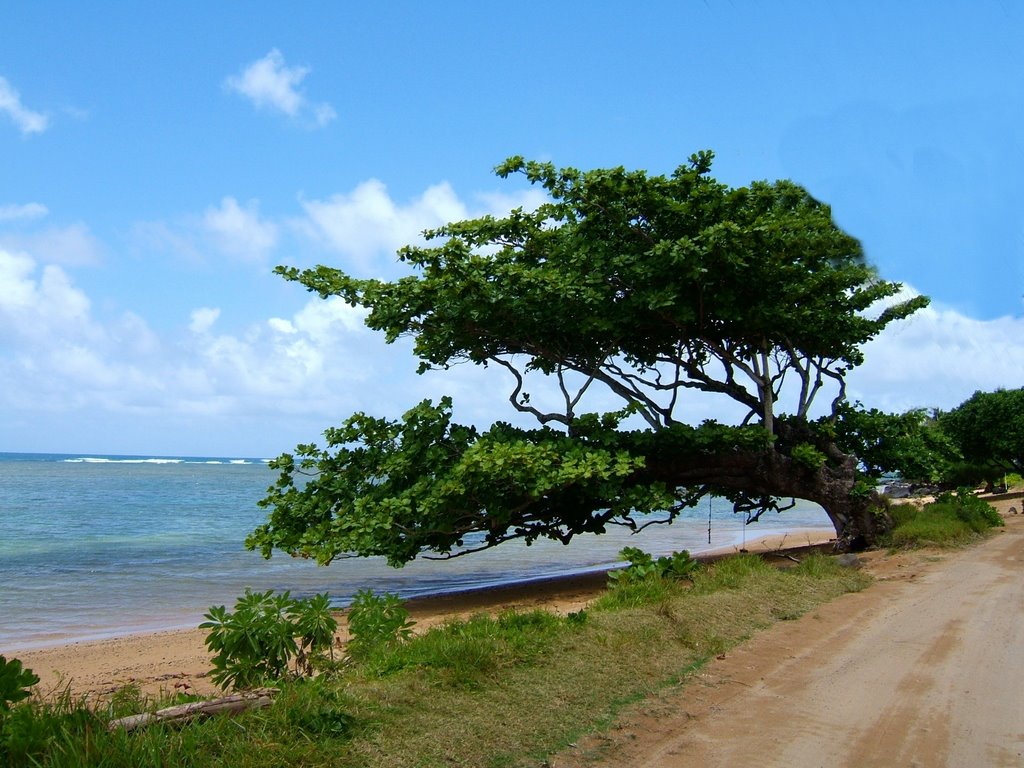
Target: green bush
{"x": 15, "y": 682}
{"x": 376, "y": 622}
{"x": 678, "y": 565}
{"x": 950, "y": 520}
{"x": 255, "y": 643}
{"x": 646, "y": 580}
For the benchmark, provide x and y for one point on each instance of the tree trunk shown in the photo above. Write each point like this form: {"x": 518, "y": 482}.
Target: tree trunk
{"x": 859, "y": 519}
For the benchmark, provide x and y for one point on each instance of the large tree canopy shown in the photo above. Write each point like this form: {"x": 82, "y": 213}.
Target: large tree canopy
{"x": 988, "y": 428}
{"x": 627, "y": 286}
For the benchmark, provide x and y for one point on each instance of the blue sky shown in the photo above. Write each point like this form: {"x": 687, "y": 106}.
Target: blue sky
{"x": 158, "y": 162}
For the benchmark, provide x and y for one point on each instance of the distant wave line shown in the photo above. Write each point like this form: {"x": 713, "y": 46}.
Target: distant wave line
{"x": 222, "y": 462}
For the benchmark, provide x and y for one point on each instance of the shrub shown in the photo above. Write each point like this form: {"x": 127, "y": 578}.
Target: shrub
{"x": 678, "y": 565}
{"x": 255, "y": 643}
{"x": 646, "y": 580}
{"x": 375, "y": 622}
{"x": 15, "y": 681}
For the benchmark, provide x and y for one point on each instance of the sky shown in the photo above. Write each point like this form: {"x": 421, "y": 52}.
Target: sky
{"x": 158, "y": 160}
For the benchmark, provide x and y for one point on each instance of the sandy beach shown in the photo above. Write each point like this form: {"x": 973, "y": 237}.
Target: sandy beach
{"x": 178, "y": 660}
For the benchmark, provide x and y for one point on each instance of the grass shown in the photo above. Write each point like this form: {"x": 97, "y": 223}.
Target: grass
{"x": 949, "y": 521}
{"x": 499, "y": 692}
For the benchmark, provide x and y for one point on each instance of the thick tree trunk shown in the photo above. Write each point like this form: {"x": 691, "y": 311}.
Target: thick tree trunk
{"x": 859, "y": 519}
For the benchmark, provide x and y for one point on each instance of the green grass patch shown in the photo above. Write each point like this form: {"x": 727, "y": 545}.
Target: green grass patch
{"x": 499, "y": 692}
{"x": 952, "y": 520}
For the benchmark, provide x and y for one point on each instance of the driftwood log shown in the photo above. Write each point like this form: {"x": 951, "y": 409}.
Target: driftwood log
{"x": 257, "y": 699}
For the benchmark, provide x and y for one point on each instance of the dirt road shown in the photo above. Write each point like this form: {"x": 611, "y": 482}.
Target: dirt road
{"x": 924, "y": 668}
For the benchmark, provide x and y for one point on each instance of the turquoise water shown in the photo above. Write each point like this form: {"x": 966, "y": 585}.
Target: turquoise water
{"x": 98, "y": 546}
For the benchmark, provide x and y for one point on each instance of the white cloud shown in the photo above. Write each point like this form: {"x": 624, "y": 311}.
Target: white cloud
{"x": 73, "y": 245}
{"x": 240, "y": 231}
{"x": 937, "y": 358}
{"x": 270, "y": 83}
{"x": 27, "y": 120}
{"x": 202, "y": 320}
{"x": 22, "y": 212}
{"x": 37, "y": 308}
{"x": 366, "y": 223}
{"x": 280, "y": 379}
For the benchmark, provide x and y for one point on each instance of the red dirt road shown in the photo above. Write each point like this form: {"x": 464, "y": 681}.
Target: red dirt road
{"x": 923, "y": 668}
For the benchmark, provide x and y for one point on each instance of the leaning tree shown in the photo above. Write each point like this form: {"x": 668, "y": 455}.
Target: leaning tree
{"x": 624, "y": 290}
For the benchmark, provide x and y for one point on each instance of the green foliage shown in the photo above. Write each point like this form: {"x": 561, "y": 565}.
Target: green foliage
{"x": 647, "y": 580}
{"x": 15, "y": 682}
{"x": 808, "y": 455}
{"x": 393, "y": 488}
{"x": 951, "y": 520}
{"x": 255, "y": 643}
{"x": 678, "y": 565}
{"x": 976, "y": 513}
{"x": 988, "y": 429}
{"x": 305, "y": 726}
{"x": 376, "y": 622}
{"x": 643, "y": 286}
{"x": 912, "y": 444}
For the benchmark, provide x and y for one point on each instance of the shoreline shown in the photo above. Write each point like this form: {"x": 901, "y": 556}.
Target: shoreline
{"x": 167, "y": 660}
{"x": 185, "y": 619}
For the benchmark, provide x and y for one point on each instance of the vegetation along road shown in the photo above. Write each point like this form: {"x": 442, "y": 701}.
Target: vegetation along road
{"x": 924, "y": 668}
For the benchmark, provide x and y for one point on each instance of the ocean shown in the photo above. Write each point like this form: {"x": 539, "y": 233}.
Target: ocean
{"x": 101, "y": 546}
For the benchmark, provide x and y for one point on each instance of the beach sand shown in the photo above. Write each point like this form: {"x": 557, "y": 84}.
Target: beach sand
{"x": 177, "y": 660}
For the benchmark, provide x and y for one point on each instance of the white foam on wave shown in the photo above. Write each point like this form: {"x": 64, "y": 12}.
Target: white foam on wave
{"x": 98, "y": 460}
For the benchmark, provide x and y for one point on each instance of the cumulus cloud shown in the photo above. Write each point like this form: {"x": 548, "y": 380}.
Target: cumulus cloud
{"x": 281, "y": 378}
{"x": 229, "y": 228}
{"x": 24, "y": 212}
{"x": 367, "y": 225}
{"x": 26, "y": 120}
{"x": 240, "y": 231}
{"x": 36, "y": 305}
{"x": 938, "y": 358}
{"x": 270, "y": 83}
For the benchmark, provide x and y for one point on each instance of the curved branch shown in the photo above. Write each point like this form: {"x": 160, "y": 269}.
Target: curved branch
{"x": 521, "y": 406}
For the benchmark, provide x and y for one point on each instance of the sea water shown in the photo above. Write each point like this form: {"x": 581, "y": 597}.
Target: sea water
{"x": 99, "y": 546}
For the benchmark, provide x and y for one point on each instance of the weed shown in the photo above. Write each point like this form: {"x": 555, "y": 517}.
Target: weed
{"x": 376, "y": 622}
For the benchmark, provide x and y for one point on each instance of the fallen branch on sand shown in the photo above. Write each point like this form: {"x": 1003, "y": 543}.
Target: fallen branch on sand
{"x": 256, "y": 699}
